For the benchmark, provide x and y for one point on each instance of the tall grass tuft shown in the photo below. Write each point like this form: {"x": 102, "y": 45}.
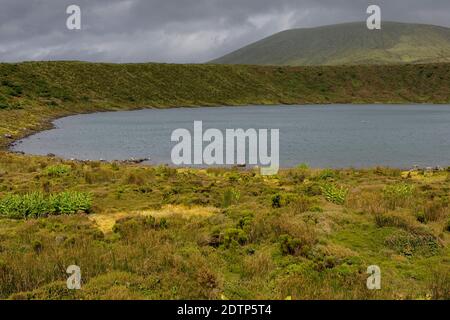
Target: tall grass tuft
{"x": 397, "y": 195}
{"x": 231, "y": 196}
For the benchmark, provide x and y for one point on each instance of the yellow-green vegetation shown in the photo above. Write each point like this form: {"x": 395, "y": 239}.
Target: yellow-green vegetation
{"x": 32, "y": 94}
{"x": 35, "y": 204}
{"x": 161, "y": 232}
{"x": 141, "y": 232}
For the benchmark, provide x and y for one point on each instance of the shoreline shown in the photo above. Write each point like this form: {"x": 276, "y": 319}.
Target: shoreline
{"x": 155, "y": 86}
{"x": 49, "y": 125}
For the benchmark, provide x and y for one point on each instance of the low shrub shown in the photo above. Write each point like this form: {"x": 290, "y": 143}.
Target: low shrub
{"x": 245, "y": 221}
{"x": 293, "y": 246}
{"x": 129, "y": 226}
{"x": 316, "y": 209}
{"x": 57, "y": 170}
{"x": 327, "y": 174}
{"x": 413, "y": 244}
{"x": 447, "y": 226}
{"x": 396, "y": 220}
{"x": 421, "y": 217}
{"x": 13, "y": 89}
{"x": 311, "y": 189}
{"x": 233, "y": 237}
{"x": 302, "y": 204}
{"x": 303, "y": 166}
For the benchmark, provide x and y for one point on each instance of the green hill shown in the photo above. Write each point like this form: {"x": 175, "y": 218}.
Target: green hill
{"x": 350, "y": 43}
{"x": 31, "y": 94}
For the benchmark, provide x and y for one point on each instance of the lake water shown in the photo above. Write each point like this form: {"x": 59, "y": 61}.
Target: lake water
{"x": 319, "y": 135}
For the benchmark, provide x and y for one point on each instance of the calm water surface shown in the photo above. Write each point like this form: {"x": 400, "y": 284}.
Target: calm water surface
{"x": 321, "y": 136}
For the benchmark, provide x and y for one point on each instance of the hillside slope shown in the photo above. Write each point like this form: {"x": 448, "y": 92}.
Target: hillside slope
{"x": 32, "y": 94}
{"x": 350, "y": 43}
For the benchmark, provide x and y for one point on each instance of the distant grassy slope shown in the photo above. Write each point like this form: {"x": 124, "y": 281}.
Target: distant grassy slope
{"x": 31, "y": 94}
{"x": 350, "y": 43}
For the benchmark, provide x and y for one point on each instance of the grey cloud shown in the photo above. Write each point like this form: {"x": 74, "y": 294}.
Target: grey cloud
{"x": 177, "y": 30}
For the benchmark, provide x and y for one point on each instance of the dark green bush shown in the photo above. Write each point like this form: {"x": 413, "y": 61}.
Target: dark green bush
{"x": 234, "y": 236}
{"x": 292, "y": 246}
{"x": 421, "y": 217}
{"x": 276, "y": 201}
{"x": 447, "y": 226}
{"x": 312, "y": 189}
{"x": 57, "y": 170}
{"x": 316, "y": 209}
{"x": 327, "y": 174}
{"x": 413, "y": 244}
{"x": 12, "y": 89}
{"x": 130, "y": 225}
{"x": 163, "y": 224}
{"x": 37, "y": 246}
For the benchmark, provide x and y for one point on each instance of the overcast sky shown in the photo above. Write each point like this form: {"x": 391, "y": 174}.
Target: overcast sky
{"x": 181, "y": 31}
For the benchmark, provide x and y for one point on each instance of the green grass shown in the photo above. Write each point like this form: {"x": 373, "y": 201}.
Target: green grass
{"x": 204, "y": 234}
{"x": 57, "y": 170}
{"x": 348, "y": 44}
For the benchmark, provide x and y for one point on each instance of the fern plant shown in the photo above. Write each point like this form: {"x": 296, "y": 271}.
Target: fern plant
{"x": 36, "y": 204}
{"x": 334, "y": 194}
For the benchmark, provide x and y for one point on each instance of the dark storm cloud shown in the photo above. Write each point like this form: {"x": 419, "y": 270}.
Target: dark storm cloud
{"x": 177, "y": 30}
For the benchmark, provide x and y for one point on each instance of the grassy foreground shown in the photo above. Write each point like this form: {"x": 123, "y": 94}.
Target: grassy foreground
{"x": 164, "y": 233}
{"x": 32, "y": 94}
